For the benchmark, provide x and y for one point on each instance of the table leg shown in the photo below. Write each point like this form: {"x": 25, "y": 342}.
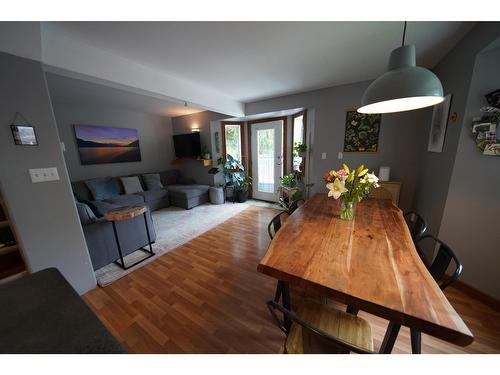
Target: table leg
{"x": 416, "y": 341}
{"x": 147, "y": 232}
{"x": 118, "y": 245}
{"x": 285, "y": 293}
{"x": 390, "y": 338}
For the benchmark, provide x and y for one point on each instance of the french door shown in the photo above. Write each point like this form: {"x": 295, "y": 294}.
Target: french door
{"x": 267, "y": 159}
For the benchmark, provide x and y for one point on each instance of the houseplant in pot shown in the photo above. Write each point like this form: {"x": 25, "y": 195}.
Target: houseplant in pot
{"x": 243, "y": 182}
{"x": 300, "y": 148}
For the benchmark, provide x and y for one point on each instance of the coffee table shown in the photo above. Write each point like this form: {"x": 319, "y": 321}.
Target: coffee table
{"x": 127, "y": 213}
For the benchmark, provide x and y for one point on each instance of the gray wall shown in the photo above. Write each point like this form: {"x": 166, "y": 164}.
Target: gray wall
{"x": 455, "y": 72}
{"x": 470, "y": 223}
{"x": 400, "y": 142}
{"x": 155, "y": 138}
{"x": 183, "y": 125}
{"x": 44, "y": 214}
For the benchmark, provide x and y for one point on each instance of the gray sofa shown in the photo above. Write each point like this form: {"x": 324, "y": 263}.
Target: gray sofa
{"x": 177, "y": 190}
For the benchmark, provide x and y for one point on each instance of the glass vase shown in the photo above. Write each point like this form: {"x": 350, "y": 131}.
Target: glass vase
{"x": 347, "y": 210}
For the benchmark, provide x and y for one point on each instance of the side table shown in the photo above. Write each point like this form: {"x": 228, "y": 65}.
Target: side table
{"x": 127, "y": 213}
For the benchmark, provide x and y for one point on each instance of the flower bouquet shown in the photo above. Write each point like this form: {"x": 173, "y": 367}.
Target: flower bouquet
{"x": 350, "y": 186}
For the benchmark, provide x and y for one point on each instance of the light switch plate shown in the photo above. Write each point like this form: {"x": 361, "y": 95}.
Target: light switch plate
{"x": 323, "y": 155}
{"x": 341, "y": 155}
{"x": 43, "y": 175}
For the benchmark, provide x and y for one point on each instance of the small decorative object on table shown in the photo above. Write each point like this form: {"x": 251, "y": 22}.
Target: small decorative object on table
{"x": 350, "y": 186}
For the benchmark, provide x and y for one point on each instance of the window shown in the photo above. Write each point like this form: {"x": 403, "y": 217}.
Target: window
{"x": 298, "y": 137}
{"x": 232, "y": 140}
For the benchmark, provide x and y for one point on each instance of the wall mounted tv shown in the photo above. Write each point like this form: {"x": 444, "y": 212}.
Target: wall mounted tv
{"x": 187, "y": 145}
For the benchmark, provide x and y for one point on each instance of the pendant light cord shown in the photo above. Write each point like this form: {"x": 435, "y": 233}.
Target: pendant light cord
{"x": 404, "y": 35}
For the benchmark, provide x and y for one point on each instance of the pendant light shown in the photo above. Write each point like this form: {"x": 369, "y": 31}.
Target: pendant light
{"x": 404, "y": 87}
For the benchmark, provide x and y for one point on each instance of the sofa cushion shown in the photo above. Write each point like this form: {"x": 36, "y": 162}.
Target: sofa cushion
{"x": 152, "y": 181}
{"x": 187, "y": 191}
{"x": 153, "y": 195}
{"x": 103, "y": 188}
{"x": 103, "y": 207}
{"x": 85, "y": 214}
{"x": 131, "y": 185}
{"x": 126, "y": 199}
{"x": 169, "y": 177}
{"x": 81, "y": 191}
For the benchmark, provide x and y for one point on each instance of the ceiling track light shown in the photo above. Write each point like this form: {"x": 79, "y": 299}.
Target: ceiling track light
{"x": 404, "y": 87}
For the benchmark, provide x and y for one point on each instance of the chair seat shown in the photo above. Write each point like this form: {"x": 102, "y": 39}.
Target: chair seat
{"x": 346, "y": 327}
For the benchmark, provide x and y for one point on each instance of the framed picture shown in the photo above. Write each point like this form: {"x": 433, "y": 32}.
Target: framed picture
{"x": 361, "y": 132}
{"x": 103, "y": 144}
{"x": 439, "y": 124}
{"x": 24, "y": 135}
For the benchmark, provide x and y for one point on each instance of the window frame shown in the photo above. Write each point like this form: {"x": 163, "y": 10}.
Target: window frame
{"x": 242, "y": 139}
{"x": 304, "y": 135}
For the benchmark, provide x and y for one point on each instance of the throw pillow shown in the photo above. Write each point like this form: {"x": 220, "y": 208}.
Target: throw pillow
{"x": 85, "y": 213}
{"x": 131, "y": 185}
{"x": 103, "y": 188}
{"x": 152, "y": 181}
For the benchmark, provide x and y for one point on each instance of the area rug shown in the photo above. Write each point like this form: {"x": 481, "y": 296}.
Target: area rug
{"x": 174, "y": 226}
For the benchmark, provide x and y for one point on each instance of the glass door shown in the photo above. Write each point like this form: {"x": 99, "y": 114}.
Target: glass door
{"x": 267, "y": 154}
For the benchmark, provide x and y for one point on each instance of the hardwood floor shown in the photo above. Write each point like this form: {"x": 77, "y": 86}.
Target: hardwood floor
{"x": 207, "y": 297}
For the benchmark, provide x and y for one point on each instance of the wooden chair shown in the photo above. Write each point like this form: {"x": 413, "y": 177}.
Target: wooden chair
{"x": 416, "y": 224}
{"x": 442, "y": 258}
{"x": 380, "y": 193}
{"x": 294, "y": 205}
{"x": 276, "y": 222}
{"x": 321, "y": 329}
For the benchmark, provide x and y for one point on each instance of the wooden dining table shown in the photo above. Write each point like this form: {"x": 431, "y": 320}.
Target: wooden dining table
{"x": 369, "y": 263}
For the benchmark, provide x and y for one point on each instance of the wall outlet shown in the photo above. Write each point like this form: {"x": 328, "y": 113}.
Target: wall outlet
{"x": 341, "y": 155}
{"x": 43, "y": 175}
{"x": 323, "y": 155}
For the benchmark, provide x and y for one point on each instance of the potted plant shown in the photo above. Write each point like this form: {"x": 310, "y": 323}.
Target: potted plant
{"x": 300, "y": 148}
{"x": 243, "y": 183}
{"x": 289, "y": 190}
{"x": 205, "y": 153}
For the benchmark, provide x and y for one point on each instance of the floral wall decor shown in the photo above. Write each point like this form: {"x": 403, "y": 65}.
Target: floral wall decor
{"x": 361, "y": 132}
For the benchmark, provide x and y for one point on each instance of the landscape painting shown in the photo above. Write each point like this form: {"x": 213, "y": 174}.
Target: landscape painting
{"x": 103, "y": 144}
{"x": 361, "y": 132}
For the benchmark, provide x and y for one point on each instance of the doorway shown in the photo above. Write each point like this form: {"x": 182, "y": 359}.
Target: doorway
{"x": 267, "y": 157}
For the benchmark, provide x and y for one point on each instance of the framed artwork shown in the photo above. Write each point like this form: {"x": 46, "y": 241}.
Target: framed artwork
{"x": 361, "y": 132}
{"x": 24, "y": 135}
{"x": 103, "y": 144}
{"x": 439, "y": 124}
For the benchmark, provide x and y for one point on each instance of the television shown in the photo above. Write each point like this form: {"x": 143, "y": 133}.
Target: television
{"x": 187, "y": 145}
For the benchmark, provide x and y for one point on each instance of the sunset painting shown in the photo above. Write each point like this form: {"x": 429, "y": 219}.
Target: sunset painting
{"x": 102, "y": 144}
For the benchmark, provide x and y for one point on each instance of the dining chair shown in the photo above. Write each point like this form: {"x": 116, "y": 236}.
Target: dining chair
{"x": 321, "y": 329}
{"x": 441, "y": 260}
{"x": 416, "y": 224}
{"x": 272, "y": 228}
{"x": 380, "y": 193}
{"x": 294, "y": 205}
{"x": 276, "y": 222}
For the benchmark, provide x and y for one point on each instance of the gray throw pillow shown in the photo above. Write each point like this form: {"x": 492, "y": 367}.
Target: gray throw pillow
{"x": 131, "y": 185}
{"x": 85, "y": 214}
{"x": 103, "y": 188}
{"x": 152, "y": 181}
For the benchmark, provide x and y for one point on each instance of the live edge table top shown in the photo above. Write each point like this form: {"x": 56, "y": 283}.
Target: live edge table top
{"x": 370, "y": 263}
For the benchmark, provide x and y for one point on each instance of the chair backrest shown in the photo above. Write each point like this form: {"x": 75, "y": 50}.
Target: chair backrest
{"x": 276, "y": 222}
{"x": 416, "y": 224}
{"x": 380, "y": 193}
{"x": 294, "y": 205}
{"x": 441, "y": 261}
{"x": 316, "y": 334}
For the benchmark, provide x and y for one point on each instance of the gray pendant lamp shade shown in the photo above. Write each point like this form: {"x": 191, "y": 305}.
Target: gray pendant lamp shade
{"x": 404, "y": 87}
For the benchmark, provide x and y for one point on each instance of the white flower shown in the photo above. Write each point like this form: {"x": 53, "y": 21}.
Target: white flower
{"x": 371, "y": 178}
{"x": 336, "y": 188}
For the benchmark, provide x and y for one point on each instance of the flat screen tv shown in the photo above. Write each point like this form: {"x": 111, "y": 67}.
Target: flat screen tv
{"x": 187, "y": 145}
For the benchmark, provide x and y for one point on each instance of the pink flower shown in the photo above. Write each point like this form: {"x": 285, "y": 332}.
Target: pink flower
{"x": 342, "y": 173}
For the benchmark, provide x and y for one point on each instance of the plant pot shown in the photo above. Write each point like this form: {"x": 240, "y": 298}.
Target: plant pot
{"x": 241, "y": 196}
{"x": 302, "y": 154}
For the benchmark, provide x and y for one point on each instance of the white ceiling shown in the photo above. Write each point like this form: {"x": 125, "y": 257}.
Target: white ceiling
{"x": 70, "y": 90}
{"x": 247, "y": 61}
